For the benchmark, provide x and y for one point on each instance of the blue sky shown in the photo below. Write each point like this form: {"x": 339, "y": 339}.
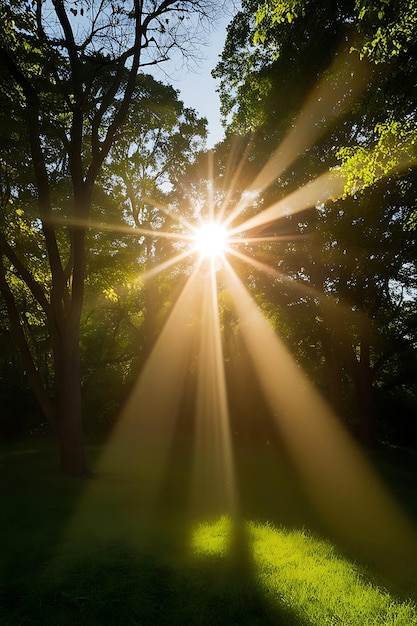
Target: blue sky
{"x": 197, "y": 87}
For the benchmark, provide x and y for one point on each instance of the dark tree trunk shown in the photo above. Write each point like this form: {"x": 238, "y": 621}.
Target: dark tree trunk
{"x": 65, "y": 332}
{"x": 363, "y": 387}
{"x": 334, "y": 380}
{"x": 69, "y": 419}
{"x": 363, "y": 380}
{"x": 151, "y": 313}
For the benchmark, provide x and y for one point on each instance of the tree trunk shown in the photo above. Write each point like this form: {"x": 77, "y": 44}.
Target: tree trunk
{"x": 69, "y": 418}
{"x": 334, "y": 378}
{"x": 65, "y": 333}
{"x": 151, "y": 314}
{"x": 363, "y": 385}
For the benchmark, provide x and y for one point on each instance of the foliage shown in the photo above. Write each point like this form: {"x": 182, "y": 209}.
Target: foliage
{"x": 71, "y": 83}
{"x": 313, "y": 79}
{"x": 389, "y": 28}
{"x": 279, "y": 12}
{"x": 386, "y": 30}
{"x": 394, "y": 149}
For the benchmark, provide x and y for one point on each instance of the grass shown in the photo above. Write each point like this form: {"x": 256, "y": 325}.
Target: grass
{"x": 107, "y": 551}
{"x": 308, "y": 576}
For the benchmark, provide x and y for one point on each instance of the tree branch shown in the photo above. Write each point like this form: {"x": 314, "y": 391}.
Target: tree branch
{"x": 34, "y": 287}
{"x": 75, "y": 148}
{"x": 39, "y": 165}
{"x": 120, "y": 115}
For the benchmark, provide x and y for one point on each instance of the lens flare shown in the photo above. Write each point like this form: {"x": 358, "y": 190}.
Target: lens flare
{"x": 210, "y": 240}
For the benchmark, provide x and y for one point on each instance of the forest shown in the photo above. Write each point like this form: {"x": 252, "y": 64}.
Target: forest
{"x": 208, "y": 357}
{"x": 100, "y": 161}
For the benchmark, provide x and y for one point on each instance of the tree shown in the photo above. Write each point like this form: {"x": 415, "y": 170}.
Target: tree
{"x": 158, "y": 140}
{"x": 333, "y": 82}
{"x": 123, "y": 313}
{"x": 68, "y": 75}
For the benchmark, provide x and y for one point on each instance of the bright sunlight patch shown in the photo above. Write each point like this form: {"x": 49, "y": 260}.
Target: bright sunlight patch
{"x": 213, "y": 538}
{"x": 308, "y": 576}
{"x": 211, "y": 240}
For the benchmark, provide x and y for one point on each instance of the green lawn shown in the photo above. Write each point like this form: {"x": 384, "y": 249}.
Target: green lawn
{"x": 111, "y": 551}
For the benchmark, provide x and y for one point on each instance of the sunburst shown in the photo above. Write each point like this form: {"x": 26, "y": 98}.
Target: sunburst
{"x": 211, "y": 240}
{"x": 334, "y": 472}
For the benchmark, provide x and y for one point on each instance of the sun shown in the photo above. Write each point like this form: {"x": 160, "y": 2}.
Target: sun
{"x": 210, "y": 240}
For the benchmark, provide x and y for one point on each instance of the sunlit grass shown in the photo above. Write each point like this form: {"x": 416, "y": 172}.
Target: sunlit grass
{"x": 308, "y": 575}
{"x": 109, "y": 562}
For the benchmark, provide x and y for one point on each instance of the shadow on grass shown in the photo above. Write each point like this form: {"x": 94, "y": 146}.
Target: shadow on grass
{"x": 76, "y": 551}
{"x": 89, "y": 552}
{"x": 114, "y": 583}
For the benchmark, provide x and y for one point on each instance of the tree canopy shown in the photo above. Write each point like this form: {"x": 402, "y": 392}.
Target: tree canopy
{"x": 99, "y": 160}
{"x": 70, "y": 77}
{"x": 330, "y": 86}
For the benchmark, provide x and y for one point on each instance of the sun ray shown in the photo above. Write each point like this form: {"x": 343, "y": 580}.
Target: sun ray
{"x": 334, "y": 310}
{"x": 230, "y": 189}
{"x": 329, "y": 185}
{"x": 210, "y": 186}
{"x": 147, "y": 423}
{"x": 262, "y": 239}
{"x": 163, "y": 234}
{"x": 179, "y": 219}
{"x": 343, "y": 488}
{"x": 332, "y": 96}
{"x": 214, "y": 478}
{"x": 263, "y": 267}
{"x": 338, "y": 88}
{"x": 137, "y": 452}
{"x": 121, "y": 228}
{"x": 162, "y": 267}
